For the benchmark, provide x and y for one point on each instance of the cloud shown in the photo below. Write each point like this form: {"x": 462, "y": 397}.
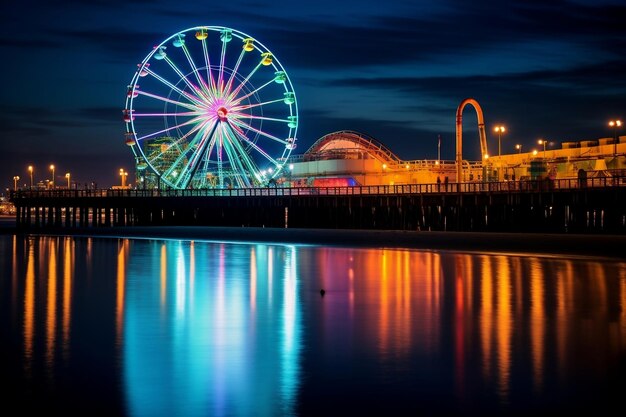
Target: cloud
{"x": 106, "y": 115}
{"x": 589, "y": 78}
{"x": 402, "y": 137}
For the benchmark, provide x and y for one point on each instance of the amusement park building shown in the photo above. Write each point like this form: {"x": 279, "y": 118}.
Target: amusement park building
{"x": 348, "y": 158}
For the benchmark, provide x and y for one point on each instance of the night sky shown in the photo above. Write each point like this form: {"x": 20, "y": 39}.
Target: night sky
{"x": 396, "y": 70}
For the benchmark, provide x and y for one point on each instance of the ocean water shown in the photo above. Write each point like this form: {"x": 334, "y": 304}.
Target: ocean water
{"x": 148, "y": 327}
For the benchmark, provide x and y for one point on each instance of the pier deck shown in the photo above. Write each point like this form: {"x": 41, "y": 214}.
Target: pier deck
{"x": 595, "y": 205}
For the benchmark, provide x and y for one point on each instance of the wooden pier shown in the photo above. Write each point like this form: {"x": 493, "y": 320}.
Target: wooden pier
{"x": 596, "y": 205}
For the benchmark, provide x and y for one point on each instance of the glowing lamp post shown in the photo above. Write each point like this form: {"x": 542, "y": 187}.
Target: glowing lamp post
{"x": 519, "y": 148}
{"x": 30, "y": 171}
{"x": 499, "y": 130}
{"x": 68, "y": 176}
{"x": 15, "y": 180}
{"x": 544, "y": 143}
{"x": 615, "y": 124}
{"x": 123, "y": 174}
{"x": 52, "y": 182}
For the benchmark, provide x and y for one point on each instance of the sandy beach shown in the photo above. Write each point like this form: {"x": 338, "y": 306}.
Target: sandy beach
{"x": 605, "y": 246}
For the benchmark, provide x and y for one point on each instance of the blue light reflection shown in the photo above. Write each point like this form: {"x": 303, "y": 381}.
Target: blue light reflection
{"x": 201, "y": 333}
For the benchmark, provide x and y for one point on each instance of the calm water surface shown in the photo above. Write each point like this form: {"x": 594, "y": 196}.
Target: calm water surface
{"x": 123, "y": 327}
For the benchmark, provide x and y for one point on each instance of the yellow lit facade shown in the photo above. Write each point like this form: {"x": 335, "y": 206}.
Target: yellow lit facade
{"x": 348, "y": 158}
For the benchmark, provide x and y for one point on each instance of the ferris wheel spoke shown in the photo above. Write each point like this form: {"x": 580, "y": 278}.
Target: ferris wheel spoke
{"x": 256, "y": 147}
{"x": 249, "y": 162}
{"x": 251, "y": 93}
{"x": 168, "y": 100}
{"x": 246, "y": 126}
{"x": 177, "y": 142}
{"x": 188, "y": 170}
{"x": 271, "y": 119}
{"x": 229, "y": 83}
{"x": 207, "y": 61}
{"x": 239, "y": 157}
{"x": 220, "y": 172}
{"x": 188, "y": 122}
{"x": 194, "y": 68}
{"x": 220, "y": 79}
{"x": 189, "y": 113}
{"x": 196, "y": 89}
{"x": 245, "y": 81}
{"x": 250, "y": 106}
{"x": 207, "y": 155}
{"x": 181, "y": 157}
{"x": 205, "y": 159}
{"x": 185, "y": 94}
{"x": 206, "y": 137}
{"x": 235, "y": 163}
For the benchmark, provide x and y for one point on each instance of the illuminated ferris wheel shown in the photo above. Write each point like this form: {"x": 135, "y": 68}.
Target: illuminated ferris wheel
{"x": 211, "y": 107}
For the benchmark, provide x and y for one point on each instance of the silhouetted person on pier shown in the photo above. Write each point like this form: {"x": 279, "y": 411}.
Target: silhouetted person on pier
{"x": 438, "y": 183}
{"x": 445, "y": 181}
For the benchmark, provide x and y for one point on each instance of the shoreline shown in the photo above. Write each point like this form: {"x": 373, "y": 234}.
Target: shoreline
{"x": 603, "y": 246}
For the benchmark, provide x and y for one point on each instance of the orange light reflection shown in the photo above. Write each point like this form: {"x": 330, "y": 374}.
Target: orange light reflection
{"x": 29, "y": 307}
{"x": 537, "y": 317}
{"x": 504, "y": 327}
{"x": 121, "y": 287}
{"x": 51, "y": 304}
{"x": 68, "y": 273}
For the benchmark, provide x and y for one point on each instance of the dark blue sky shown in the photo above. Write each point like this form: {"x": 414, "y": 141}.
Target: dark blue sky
{"x": 396, "y": 70}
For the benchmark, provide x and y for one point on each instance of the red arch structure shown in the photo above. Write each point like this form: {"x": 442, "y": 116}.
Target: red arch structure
{"x": 459, "y": 135}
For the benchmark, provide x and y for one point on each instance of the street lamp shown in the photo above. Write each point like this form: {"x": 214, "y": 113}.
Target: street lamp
{"x": 544, "y": 143}
{"x": 519, "y": 148}
{"x": 615, "y": 124}
{"x": 68, "y": 176}
{"x": 123, "y": 174}
{"x": 499, "y": 130}
{"x": 534, "y": 152}
{"x": 52, "y": 182}
{"x": 15, "y": 180}
{"x": 30, "y": 171}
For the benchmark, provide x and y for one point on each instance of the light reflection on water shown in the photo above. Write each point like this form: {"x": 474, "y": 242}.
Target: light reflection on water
{"x": 165, "y": 327}
{"x": 216, "y": 340}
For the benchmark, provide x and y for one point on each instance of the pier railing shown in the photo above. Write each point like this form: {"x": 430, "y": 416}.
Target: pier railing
{"x": 541, "y": 185}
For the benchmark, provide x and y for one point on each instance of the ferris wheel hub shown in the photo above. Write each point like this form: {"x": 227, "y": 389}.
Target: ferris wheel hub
{"x": 222, "y": 112}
